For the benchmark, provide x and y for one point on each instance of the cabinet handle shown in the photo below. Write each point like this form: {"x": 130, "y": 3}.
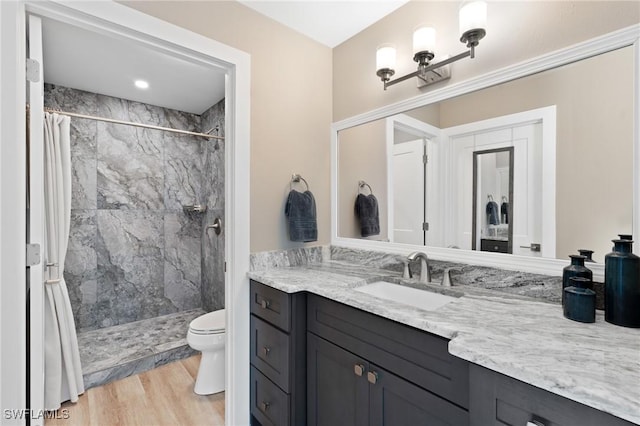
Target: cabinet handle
{"x": 264, "y": 406}
{"x": 264, "y": 303}
{"x": 358, "y": 369}
{"x": 535, "y": 423}
{"x": 266, "y": 350}
{"x": 372, "y": 377}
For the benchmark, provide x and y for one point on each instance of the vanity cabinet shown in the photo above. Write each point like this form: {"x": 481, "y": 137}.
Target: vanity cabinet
{"x": 278, "y": 356}
{"x": 496, "y": 246}
{"x": 318, "y": 362}
{"x": 500, "y": 400}
{"x": 366, "y": 370}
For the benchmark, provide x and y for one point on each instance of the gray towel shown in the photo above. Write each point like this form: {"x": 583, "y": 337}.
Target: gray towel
{"x": 301, "y": 216}
{"x": 366, "y": 209}
{"x": 493, "y": 215}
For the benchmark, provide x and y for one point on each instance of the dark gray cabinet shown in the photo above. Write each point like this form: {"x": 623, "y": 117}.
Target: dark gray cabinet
{"x": 278, "y": 356}
{"x": 500, "y": 400}
{"x": 338, "y": 392}
{"x": 366, "y": 370}
{"x": 497, "y": 246}
{"x": 319, "y": 362}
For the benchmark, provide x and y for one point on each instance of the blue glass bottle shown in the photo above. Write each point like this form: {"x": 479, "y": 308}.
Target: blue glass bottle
{"x": 622, "y": 285}
{"x": 576, "y": 269}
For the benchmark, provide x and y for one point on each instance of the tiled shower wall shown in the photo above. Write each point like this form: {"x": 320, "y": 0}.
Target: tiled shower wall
{"x": 133, "y": 253}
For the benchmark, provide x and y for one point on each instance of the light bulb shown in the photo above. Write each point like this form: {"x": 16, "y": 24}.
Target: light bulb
{"x": 386, "y": 57}
{"x": 424, "y": 39}
{"x": 473, "y": 16}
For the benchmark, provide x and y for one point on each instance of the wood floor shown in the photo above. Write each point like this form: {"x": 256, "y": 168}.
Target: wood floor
{"x": 162, "y": 396}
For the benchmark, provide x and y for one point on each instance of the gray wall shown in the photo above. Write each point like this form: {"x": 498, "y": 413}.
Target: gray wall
{"x": 133, "y": 253}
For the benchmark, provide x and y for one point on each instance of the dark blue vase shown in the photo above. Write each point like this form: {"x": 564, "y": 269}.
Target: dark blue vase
{"x": 576, "y": 269}
{"x": 622, "y": 285}
{"x": 587, "y": 254}
{"x": 580, "y": 304}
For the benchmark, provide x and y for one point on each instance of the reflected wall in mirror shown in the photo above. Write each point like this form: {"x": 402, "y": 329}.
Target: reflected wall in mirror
{"x": 493, "y": 213}
{"x": 592, "y": 163}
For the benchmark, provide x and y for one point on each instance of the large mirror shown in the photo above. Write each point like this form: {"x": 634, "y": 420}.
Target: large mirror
{"x": 570, "y": 133}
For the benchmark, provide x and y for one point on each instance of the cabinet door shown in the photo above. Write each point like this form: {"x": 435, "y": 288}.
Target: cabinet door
{"x": 337, "y": 387}
{"x": 498, "y": 400}
{"x": 397, "y": 402}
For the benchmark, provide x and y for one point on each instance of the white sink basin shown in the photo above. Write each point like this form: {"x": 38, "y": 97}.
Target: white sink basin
{"x": 422, "y": 299}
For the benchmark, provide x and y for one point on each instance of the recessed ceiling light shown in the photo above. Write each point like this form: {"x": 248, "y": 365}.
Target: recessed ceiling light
{"x": 141, "y": 84}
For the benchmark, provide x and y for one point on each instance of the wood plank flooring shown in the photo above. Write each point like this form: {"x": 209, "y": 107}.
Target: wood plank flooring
{"x": 162, "y": 396}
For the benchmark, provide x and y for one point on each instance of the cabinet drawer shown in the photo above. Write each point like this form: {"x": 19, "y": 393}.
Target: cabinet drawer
{"x": 270, "y": 352}
{"x": 269, "y": 404}
{"x": 421, "y": 357}
{"x": 500, "y": 400}
{"x": 271, "y": 305}
{"x": 497, "y": 246}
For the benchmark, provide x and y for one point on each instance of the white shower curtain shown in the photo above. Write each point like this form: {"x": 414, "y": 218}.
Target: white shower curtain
{"x": 63, "y": 373}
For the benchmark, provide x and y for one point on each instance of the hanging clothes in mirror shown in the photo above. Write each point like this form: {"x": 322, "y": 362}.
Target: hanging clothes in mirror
{"x": 493, "y": 217}
{"x": 504, "y": 210}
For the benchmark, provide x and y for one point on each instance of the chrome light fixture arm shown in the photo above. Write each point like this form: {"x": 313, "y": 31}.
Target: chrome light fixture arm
{"x": 424, "y": 69}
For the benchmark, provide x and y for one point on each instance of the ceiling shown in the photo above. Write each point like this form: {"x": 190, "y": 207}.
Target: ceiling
{"x": 98, "y": 63}
{"x": 327, "y": 22}
{"x": 82, "y": 59}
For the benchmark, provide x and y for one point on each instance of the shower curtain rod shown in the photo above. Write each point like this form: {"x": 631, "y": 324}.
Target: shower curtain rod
{"x": 131, "y": 123}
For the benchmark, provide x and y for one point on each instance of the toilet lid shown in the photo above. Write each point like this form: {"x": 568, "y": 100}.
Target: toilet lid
{"x": 211, "y": 322}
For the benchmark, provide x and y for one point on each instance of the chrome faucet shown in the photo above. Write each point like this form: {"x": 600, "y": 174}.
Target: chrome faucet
{"x": 425, "y": 273}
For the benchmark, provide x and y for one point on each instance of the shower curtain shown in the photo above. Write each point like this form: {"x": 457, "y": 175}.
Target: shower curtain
{"x": 63, "y": 373}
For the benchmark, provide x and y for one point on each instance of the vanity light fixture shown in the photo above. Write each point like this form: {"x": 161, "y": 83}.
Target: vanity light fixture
{"x": 473, "y": 19}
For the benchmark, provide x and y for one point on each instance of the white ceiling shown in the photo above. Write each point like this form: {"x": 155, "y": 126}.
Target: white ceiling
{"x": 86, "y": 60}
{"x": 328, "y": 22}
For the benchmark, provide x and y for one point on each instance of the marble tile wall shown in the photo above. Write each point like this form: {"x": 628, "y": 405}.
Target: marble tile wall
{"x": 133, "y": 253}
{"x": 213, "y": 195}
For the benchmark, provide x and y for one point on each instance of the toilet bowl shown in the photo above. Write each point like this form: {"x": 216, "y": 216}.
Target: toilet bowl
{"x": 207, "y": 335}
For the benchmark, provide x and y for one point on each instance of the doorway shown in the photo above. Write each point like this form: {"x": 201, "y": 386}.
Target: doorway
{"x": 121, "y": 22}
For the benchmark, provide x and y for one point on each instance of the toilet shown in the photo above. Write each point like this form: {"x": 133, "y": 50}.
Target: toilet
{"x": 207, "y": 335}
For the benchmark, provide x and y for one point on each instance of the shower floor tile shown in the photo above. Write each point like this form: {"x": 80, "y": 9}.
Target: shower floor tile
{"x": 120, "y": 351}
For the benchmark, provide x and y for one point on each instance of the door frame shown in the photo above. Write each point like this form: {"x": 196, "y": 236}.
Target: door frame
{"x": 475, "y": 238}
{"x": 420, "y": 129}
{"x": 135, "y": 26}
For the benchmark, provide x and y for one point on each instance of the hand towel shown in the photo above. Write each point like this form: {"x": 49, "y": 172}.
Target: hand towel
{"x": 492, "y": 213}
{"x": 366, "y": 210}
{"x": 301, "y": 216}
{"x": 504, "y": 212}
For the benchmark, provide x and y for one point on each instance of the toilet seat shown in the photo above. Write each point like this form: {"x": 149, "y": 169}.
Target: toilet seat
{"x": 211, "y": 323}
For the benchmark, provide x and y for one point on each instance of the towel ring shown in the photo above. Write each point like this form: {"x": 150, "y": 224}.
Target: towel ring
{"x": 297, "y": 178}
{"x": 362, "y": 184}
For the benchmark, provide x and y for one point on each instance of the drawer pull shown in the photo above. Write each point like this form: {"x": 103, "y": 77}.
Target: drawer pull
{"x": 264, "y": 406}
{"x": 265, "y": 304}
{"x": 372, "y": 377}
{"x": 266, "y": 350}
{"x": 358, "y": 369}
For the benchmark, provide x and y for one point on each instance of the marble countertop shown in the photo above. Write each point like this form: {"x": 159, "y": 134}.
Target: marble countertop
{"x": 595, "y": 364}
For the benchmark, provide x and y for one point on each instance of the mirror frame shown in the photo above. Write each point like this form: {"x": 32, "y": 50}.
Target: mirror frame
{"x": 474, "y": 215}
{"x": 624, "y": 37}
